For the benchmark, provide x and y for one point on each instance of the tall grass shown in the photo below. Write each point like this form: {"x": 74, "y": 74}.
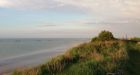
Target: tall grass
{"x": 133, "y": 65}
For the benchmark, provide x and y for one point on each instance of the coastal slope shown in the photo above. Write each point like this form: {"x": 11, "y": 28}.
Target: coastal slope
{"x": 104, "y": 55}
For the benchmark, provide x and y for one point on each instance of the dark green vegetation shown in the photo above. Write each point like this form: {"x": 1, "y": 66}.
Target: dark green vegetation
{"x": 135, "y": 39}
{"x": 101, "y": 56}
{"x": 104, "y": 36}
{"x": 133, "y": 66}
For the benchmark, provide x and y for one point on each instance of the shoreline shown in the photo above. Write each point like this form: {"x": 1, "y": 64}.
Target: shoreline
{"x": 25, "y": 61}
{"x": 32, "y": 59}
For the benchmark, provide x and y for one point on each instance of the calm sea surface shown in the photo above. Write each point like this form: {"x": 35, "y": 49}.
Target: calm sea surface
{"x": 18, "y": 47}
{"x": 19, "y": 53}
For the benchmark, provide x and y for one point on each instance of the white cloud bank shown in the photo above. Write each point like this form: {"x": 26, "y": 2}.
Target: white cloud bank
{"x": 110, "y": 11}
{"x": 101, "y": 7}
{"x": 28, "y": 4}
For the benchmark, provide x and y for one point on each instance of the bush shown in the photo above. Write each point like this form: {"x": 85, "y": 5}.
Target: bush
{"x": 95, "y": 39}
{"x": 106, "y": 35}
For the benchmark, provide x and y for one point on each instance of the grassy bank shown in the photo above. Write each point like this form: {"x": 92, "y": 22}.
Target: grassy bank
{"x": 101, "y": 56}
{"x": 133, "y": 65}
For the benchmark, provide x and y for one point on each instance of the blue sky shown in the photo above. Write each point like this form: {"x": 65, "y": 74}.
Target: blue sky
{"x": 68, "y": 18}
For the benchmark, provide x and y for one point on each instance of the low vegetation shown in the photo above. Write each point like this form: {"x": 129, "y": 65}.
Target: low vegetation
{"x": 135, "y": 39}
{"x": 104, "y": 55}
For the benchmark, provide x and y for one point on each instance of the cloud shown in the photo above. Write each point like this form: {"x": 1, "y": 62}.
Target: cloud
{"x": 108, "y": 8}
{"x": 29, "y": 4}
{"x": 86, "y": 27}
{"x": 48, "y": 25}
{"x": 122, "y": 16}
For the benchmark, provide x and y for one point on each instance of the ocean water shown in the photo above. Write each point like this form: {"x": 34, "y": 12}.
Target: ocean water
{"x": 24, "y": 52}
{"x": 17, "y": 47}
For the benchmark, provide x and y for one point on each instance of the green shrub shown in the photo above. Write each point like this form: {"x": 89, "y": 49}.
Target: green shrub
{"x": 106, "y": 35}
{"x": 95, "y": 39}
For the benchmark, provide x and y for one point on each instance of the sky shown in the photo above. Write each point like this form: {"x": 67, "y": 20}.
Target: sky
{"x": 68, "y": 18}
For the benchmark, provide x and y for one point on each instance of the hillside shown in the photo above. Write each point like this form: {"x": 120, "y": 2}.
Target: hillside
{"x": 104, "y": 55}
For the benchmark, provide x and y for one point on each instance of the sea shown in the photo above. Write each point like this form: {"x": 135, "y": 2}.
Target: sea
{"x": 30, "y": 52}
